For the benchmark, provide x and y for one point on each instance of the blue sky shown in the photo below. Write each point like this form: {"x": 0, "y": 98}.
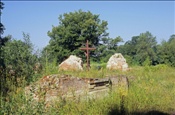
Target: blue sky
{"x": 125, "y": 19}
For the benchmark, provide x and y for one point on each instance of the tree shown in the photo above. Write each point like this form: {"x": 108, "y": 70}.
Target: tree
{"x": 108, "y": 46}
{"x": 172, "y": 37}
{"x": 2, "y": 40}
{"x": 1, "y": 25}
{"x": 73, "y": 30}
{"x": 19, "y": 63}
{"x": 166, "y": 52}
{"x": 19, "y": 58}
{"x": 113, "y": 44}
{"x": 141, "y": 48}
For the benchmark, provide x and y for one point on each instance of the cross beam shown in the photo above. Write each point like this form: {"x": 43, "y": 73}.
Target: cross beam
{"x": 87, "y": 49}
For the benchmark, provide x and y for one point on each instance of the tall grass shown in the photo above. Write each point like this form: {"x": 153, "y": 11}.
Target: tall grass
{"x": 151, "y": 90}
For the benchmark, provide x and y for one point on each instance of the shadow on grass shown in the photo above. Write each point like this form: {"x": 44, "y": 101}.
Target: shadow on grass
{"x": 124, "y": 111}
{"x": 153, "y": 112}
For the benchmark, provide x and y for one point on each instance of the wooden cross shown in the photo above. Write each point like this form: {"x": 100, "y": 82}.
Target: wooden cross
{"x": 87, "y": 48}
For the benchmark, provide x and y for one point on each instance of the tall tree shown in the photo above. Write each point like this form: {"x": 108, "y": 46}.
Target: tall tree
{"x": 73, "y": 30}
{"x": 1, "y": 25}
{"x": 141, "y": 48}
{"x": 166, "y": 51}
{"x": 3, "y": 40}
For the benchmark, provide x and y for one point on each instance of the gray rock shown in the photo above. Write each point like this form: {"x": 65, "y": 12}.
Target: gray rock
{"x": 117, "y": 62}
{"x": 72, "y": 63}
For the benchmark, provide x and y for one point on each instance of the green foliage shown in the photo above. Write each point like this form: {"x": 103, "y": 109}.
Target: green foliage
{"x": 72, "y": 32}
{"x": 129, "y": 60}
{"x": 143, "y": 50}
{"x": 147, "y": 62}
{"x": 19, "y": 62}
{"x": 107, "y": 47}
{"x": 2, "y": 42}
{"x": 166, "y": 52}
{"x": 113, "y": 43}
{"x": 1, "y": 25}
{"x": 140, "y": 48}
{"x": 18, "y": 55}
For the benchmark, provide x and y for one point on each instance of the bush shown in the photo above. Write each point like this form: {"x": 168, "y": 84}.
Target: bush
{"x": 19, "y": 62}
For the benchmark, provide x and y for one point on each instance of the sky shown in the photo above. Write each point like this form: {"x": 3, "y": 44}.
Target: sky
{"x": 125, "y": 19}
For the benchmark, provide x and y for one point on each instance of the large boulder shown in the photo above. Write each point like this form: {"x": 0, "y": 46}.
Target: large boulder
{"x": 117, "y": 62}
{"x": 72, "y": 63}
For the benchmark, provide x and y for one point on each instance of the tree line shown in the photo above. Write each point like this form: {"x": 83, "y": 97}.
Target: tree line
{"x": 76, "y": 27}
{"x": 18, "y": 59}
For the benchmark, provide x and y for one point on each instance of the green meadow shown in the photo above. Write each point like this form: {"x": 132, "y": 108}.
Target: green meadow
{"x": 151, "y": 91}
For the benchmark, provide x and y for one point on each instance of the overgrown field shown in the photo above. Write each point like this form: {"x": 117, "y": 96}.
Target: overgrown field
{"x": 151, "y": 91}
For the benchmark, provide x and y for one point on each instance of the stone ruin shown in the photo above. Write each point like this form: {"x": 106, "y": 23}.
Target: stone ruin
{"x": 55, "y": 87}
{"x": 117, "y": 62}
{"x": 72, "y": 63}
